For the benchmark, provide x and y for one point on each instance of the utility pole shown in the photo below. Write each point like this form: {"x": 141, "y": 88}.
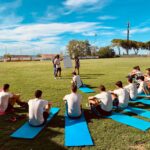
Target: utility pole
{"x": 128, "y": 36}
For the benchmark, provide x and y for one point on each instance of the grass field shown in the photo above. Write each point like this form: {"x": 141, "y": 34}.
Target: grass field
{"x": 26, "y": 77}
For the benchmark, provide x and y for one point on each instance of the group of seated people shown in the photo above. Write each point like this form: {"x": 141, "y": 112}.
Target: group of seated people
{"x": 100, "y": 104}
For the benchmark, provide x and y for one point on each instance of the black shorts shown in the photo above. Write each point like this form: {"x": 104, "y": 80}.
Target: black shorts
{"x": 58, "y": 69}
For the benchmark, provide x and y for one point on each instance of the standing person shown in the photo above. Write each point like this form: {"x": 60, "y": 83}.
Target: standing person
{"x": 8, "y": 100}
{"x": 58, "y": 66}
{"x": 101, "y": 104}
{"x": 38, "y": 110}
{"x": 73, "y": 103}
{"x": 54, "y": 67}
{"x": 77, "y": 65}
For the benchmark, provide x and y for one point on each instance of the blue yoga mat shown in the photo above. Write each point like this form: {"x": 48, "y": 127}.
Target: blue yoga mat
{"x": 130, "y": 121}
{"x": 28, "y": 132}
{"x": 77, "y": 132}
{"x": 86, "y": 90}
{"x": 143, "y": 95}
{"x": 143, "y": 101}
{"x": 138, "y": 111}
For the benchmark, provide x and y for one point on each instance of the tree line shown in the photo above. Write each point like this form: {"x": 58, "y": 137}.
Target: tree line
{"x": 84, "y": 48}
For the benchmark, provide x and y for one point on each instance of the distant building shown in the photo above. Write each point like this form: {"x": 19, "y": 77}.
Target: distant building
{"x": 47, "y": 56}
{"x": 17, "y": 58}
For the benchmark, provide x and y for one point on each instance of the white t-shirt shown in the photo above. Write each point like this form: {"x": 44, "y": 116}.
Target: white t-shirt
{"x": 123, "y": 97}
{"x": 57, "y": 63}
{"x": 74, "y": 104}
{"x": 36, "y": 109}
{"x": 4, "y": 100}
{"x": 142, "y": 86}
{"x": 132, "y": 89}
{"x": 106, "y": 100}
{"x": 77, "y": 81}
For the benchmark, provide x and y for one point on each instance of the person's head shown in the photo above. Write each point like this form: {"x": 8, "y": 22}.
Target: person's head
{"x": 38, "y": 93}
{"x": 130, "y": 79}
{"x": 76, "y": 57}
{"x": 6, "y": 87}
{"x": 137, "y": 68}
{"x": 74, "y": 73}
{"x": 73, "y": 88}
{"x": 102, "y": 88}
{"x": 119, "y": 84}
{"x": 148, "y": 71}
{"x": 57, "y": 56}
{"x": 141, "y": 78}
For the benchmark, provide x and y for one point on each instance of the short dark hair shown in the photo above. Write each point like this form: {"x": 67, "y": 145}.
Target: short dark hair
{"x": 102, "y": 88}
{"x": 130, "y": 79}
{"x": 74, "y": 73}
{"x": 38, "y": 93}
{"x": 6, "y": 87}
{"x": 119, "y": 84}
{"x": 57, "y": 56}
{"x": 148, "y": 69}
{"x": 137, "y": 68}
{"x": 74, "y": 88}
{"x": 141, "y": 78}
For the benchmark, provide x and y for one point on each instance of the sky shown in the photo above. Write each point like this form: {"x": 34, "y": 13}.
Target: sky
{"x": 46, "y": 26}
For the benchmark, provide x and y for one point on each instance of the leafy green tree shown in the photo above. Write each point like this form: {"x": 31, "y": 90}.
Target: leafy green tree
{"x": 106, "y": 52}
{"x": 79, "y": 48}
{"x": 8, "y": 56}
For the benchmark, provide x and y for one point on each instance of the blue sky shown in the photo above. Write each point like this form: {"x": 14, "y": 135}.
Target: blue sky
{"x": 46, "y": 26}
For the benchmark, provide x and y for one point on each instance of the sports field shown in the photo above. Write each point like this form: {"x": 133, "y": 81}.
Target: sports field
{"x": 26, "y": 77}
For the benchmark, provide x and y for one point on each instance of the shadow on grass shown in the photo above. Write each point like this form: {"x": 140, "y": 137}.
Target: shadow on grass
{"x": 44, "y": 140}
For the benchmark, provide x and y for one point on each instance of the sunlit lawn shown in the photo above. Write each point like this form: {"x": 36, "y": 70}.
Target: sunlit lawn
{"x": 26, "y": 77}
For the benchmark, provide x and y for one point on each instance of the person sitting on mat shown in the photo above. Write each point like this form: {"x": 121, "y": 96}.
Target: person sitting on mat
{"x": 136, "y": 72}
{"x": 131, "y": 88}
{"x": 120, "y": 96}
{"x": 143, "y": 88}
{"x": 8, "y": 100}
{"x": 101, "y": 104}
{"x": 38, "y": 110}
{"x": 73, "y": 103}
{"x": 77, "y": 80}
{"x": 147, "y": 77}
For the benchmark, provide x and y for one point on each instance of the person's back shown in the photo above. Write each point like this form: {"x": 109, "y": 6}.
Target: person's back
{"x": 131, "y": 88}
{"x": 36, "y": 108}
{"x": 74, "y": 103}
{"x": 77, "y": 80}
{"x": 142, "y": 86}
{"x": 122, "y": 94}
{"x": 123, "y": 97}
{"x": 106, "y": 101}
{"x": 4, "y": 100}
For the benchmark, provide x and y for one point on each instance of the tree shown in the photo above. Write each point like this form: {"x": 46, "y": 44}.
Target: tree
{"x": 8, "y": 56}
{"x": 106, "y": 52}
{"x": 79, "y": 48}
{"x": 116, "y": 43}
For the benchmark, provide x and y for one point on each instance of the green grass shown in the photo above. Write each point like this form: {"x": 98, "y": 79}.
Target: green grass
{"x": 26, "y": 77}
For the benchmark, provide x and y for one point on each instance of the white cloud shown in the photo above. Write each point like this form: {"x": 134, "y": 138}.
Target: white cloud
{"x": 107, "y": 17}
{"x": 138, "y": 30}
{"x": 85, "y": 5}
{"x": 41, "y": 36}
